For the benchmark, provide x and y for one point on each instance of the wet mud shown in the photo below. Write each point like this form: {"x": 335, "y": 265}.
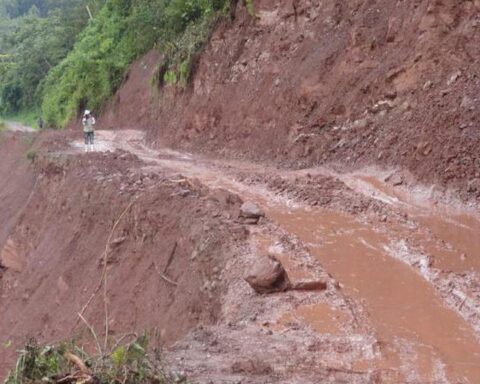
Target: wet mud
{"x": 419, "y": 335}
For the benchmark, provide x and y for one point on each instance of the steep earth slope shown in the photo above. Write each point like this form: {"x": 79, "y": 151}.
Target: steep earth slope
{"x": 319, "y": 82}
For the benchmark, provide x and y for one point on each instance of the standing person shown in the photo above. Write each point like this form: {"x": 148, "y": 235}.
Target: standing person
{"x": 40, "y": 123}
{"x": 88, "y": 122}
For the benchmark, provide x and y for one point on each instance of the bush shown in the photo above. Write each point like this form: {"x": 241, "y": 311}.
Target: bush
{"x": 131, "y": 363}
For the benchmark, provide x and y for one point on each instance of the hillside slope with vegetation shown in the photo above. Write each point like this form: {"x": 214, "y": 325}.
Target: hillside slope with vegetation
{"x": 58, "y": 57}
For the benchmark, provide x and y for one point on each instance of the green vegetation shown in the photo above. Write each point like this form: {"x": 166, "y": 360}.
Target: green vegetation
{"x": 250, "y": 7}
{"x": 31, "y": 155}
{"x": 28, "y": 117}
{"x": 121, "y": 32}
{"x": 58, "y": 57}
{"x": 131, "y": 363}
{"x": 37, "y": 35}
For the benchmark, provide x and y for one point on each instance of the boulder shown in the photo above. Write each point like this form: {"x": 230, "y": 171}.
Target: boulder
{"x": 267, "y": 275}
{"x": 251, "y": 210}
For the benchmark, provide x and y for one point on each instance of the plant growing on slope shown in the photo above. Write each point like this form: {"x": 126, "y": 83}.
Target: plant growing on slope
{"x": 130, "y": 363}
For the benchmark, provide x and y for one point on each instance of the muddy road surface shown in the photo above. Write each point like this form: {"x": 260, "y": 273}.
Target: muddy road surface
{"x": 396, "y": 264}
{"x": 405, "y": 258}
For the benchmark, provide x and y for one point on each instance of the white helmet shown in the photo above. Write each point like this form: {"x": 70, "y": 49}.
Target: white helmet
{"x": 87, "y": 112}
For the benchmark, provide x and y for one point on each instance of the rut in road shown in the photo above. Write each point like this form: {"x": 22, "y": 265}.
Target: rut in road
{"x": 372, "y": 261}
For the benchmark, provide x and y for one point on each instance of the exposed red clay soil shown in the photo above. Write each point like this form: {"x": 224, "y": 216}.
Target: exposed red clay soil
{"x": 351, "y": 83}
{"x": 55, "y": 229}
{"x": 353, "y": 127}
{"x": 16, "y": 168}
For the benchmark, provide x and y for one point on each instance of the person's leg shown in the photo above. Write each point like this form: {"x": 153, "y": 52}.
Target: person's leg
{"x": 86, "y": 141}
{"x": 92, "y": 136}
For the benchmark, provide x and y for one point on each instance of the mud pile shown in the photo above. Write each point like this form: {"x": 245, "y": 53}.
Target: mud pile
{"x": 307, "y": 83}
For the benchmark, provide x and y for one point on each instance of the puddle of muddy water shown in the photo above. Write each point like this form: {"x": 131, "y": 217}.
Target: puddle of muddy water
{"x": 400, "y": 302}
{"x": 455, "y": 242}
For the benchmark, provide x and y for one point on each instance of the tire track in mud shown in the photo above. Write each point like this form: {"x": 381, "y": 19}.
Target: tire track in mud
{"x": 406, "y": 307}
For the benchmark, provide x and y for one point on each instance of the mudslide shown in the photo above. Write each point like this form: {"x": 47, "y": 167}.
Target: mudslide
{"x": 404, "y": 262}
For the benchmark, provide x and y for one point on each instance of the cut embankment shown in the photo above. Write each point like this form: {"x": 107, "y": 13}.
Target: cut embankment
{"x": 355, "y": 83}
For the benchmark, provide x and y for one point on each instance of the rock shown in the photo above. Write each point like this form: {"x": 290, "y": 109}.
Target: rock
{"x": 473, "y": 185}
{"x": 467, "y": 103}
{"x": 428, "y": 84}
{"x": 361, "y": 123}
{"x": 405, "y": 106}
{"x": 267, "y": 275}
{"x": 251, "y": 210}
{"x": 382, "y": 105}
{"x": 251, "y": 367}
{"x": 395, "y": 179}
{"x": 179, "y": 377}
{"x": 118, "y": 240}
{"x": 391, "y": 95}
{"x": 454, "y": 77}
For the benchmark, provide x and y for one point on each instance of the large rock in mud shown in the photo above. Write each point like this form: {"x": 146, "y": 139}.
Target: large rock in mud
{"x": 251, "y": 210}
{"x": 250, "y": 213}
{"x": 267, "y": 276}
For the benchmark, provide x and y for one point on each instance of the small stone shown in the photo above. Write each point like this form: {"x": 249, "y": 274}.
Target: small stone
{"x": 454, "y": 77}
{"x": 392, "y": 95}
{"x": 397, "y": 180}
{"x": 405, "y": 106}
{"x": 428, "y": 84}
{"x": 119, "y": 240}
{"x": 361, "y": 123}
{"x": 467, "y": 103}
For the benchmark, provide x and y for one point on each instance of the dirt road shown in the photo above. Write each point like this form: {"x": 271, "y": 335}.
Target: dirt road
{"x": 18, "y": 127}
{"x": 409, "y": 259}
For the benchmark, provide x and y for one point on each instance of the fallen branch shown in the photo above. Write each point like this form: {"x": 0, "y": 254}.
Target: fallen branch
{"x": 103, "y": 279}
{"x": 77, "y": 361}
{"x": 170, "y": 257}
{"x": 164, "y": 277}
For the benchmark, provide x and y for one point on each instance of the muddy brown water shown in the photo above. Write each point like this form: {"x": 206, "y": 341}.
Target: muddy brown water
{"x": 400, "y": 302}
{"x": 409, "y": 317}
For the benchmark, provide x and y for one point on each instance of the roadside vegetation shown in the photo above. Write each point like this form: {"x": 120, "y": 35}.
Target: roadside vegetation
{"x": 60, "y": 56}
{"x": 129, "y": 363}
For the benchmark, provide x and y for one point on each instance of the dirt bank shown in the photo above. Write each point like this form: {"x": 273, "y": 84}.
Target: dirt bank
{"x": 59, "y": 213}
{"x": 349, "y": 83}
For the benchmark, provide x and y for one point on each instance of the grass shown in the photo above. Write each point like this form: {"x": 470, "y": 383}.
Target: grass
{"x": 250, "y": 7}
{"x": 67, "y": 362}
{"x": 31, "y": 155}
